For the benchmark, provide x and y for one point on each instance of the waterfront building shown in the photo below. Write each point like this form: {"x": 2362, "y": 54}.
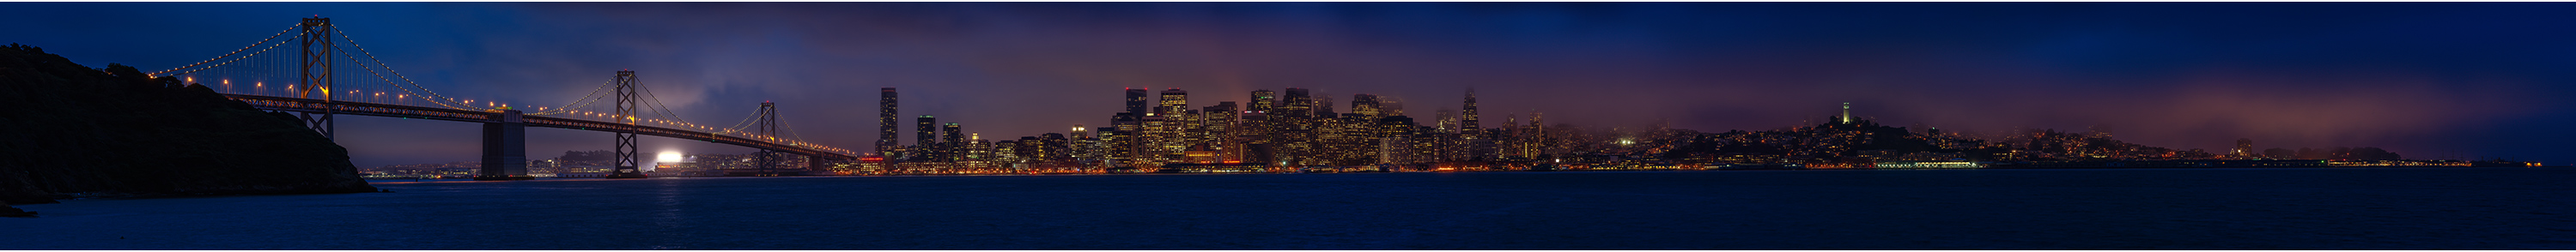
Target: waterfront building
{"x": 1009, "y": 151}
{"x": 1083, "y": 147}
{"x": 1350, "y": 139}
{"x": 1051, "y": 148}
{"x": 1160, "y": 139}
{"x": 1029, "y": 149}
{"x": 1255, "y": 138}
{"x": 2244, "y": 148}
{"x": 1125, "y": 137}
{"x": 1395, "y": 134}
{"x": 977, "y": 149}
{"x": 1294, "y": 123}
{"x": 1217, "y": 129}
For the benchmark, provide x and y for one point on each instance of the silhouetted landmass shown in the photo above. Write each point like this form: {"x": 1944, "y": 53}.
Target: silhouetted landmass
{"x": 2362, "y": 153}
{"x": 75, "y": 131}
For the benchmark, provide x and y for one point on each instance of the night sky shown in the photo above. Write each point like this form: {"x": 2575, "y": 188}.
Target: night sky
{"x": 2422, "y": 79}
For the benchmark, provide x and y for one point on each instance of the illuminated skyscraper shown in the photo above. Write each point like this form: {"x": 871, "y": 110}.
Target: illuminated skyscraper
{"x": 1393, "y": 106}
{"x": 1324, "y": 106}
{"x": 1084, "y": 146}
{"x": 1125, "y": 139}
{"x": 955, "y": 141}
{"x": 1474, "y": 142}
{"x": 1136, "y": 102}
{"x": 1348, "y": 139}
{"x": 886, "y": 121}
{"x": 976, "y": 148}
{"x": 1051, "y": 147}
{"x": 1535, "y": 138}
{"x": 1218, "y": 128}
{"x": 1298, "y": 104}
{"x": 1294, "y": 123}
{"x": 926, "y": 146}
{"x": 1395, "y": 134}
{"x": 1174, "y": 103}
{"x": 1367, "y": 105}
{"x": 1158, "y": 138}
{"x": 1467, "y": 118}
{"x": 1262, "y": 101}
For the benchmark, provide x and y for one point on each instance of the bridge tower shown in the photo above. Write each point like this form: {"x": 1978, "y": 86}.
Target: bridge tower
{"x": 316, "y": 64}
{"x": 768, "y": 160}
{"x": 505, "y": 147}
{"x": 626, "y": 163}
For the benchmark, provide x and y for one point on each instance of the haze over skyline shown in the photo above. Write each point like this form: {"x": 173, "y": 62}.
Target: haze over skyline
{"x": 2421, "y": 79}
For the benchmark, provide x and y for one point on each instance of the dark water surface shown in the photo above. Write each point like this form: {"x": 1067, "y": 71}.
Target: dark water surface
{"x": 2480, "y": 208}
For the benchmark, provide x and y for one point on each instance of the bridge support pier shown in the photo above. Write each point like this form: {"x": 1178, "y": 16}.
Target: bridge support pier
{"x": 814, "y": 165}
{"x": 505, "y": 148}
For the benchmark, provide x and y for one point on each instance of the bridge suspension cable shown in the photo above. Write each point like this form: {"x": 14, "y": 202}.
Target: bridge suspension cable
{"x": 433, "y": 96}
{"x": 577, "y": 103}
{"x": 289, "y": 29}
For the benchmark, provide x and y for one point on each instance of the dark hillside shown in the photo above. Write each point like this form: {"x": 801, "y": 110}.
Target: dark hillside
{"x": 67, "y": 130}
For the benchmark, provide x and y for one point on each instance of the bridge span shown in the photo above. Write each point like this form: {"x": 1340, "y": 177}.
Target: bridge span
{"x": 317, "y": 92}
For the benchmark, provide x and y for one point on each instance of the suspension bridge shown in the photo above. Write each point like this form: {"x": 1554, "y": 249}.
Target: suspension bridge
{"x": 309, "y": 82}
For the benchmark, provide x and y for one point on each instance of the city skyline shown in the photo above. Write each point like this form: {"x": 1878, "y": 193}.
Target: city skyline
{"x": 1594, "y": 64}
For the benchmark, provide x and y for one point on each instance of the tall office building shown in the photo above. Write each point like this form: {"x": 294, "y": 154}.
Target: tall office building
{"x": 926, "y": 147}
{"x": 1534, "y": 138}
{"x": 1294, "y": 123}
{"x": 1125, "y": 140}
{"x": 1262, "y": 101}
{"x": 1474, "y": 143}
{"x": 1395, "y": 144}
{"x": 1394, "y": 106}
{"x": 1324, "y": 107}
{"x": 1117, "y": 146}
{"x": 886, "y": 121}
{"x": 1160, "y": 137}
{"x": 1467, "y": 118}
{"x": 1083, "y": 147}
{"x": 1218, "y": 129}
{"x": 956, "y": 142}
{"x": 1136, "y": 102}
{"x": 1051, "y": 147}
{"x": 1296, "y": 104}
{"x": 976, "y": 148}
{"x": 1173, "y": 104}
{"x": 1367, "y": 105}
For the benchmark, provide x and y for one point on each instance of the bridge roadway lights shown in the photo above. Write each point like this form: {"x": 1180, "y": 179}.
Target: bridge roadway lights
{"x": 505, "y": 148}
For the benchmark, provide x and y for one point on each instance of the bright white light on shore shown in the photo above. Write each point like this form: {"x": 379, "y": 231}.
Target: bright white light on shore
{"x": 667, "y": 156}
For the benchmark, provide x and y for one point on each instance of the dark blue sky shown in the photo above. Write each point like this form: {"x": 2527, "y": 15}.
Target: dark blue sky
{"x": 2421, "y": 79}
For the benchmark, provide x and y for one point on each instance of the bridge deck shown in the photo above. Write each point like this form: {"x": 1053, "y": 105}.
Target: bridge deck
{"x": 447, "y": 114}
